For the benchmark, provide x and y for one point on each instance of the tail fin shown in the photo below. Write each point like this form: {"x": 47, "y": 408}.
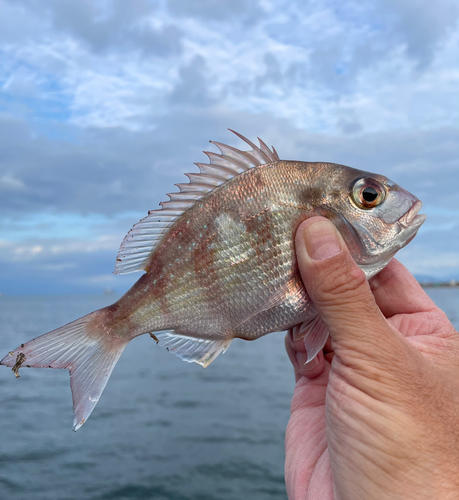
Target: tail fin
{"x": 88, "y": 353}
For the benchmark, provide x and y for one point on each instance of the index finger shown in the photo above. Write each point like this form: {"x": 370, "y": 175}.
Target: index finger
{"x": 397, "y": 291}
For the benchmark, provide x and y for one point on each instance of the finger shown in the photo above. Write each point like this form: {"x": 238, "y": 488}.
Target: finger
{"x": 397, "y": 291}
{"x": 340, "y": 290}
{"x": 328, "y": 346}
{"x": 298, "y": 359}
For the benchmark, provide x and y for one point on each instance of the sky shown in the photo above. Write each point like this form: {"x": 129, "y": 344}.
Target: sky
{"x": 105, "y": 104}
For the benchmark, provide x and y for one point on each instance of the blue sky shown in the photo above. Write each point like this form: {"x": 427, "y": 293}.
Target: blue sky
{"x": 105, "y": 104}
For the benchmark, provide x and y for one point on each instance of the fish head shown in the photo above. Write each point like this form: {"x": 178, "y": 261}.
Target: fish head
{"x": 376, "y": 216}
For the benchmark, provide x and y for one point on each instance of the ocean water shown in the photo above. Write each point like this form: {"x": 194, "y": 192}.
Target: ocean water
{"x": 163, "y": 429}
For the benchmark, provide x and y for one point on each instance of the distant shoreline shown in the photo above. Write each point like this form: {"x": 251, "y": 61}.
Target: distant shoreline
{"x": 440, "y": 284}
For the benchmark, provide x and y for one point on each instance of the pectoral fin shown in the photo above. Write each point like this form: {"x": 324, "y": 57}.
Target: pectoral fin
{"x": 314, "y": 334}
{"x": 290, "y": 291}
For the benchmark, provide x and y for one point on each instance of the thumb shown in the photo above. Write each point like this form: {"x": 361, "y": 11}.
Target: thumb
{"x": 340, "y": 291}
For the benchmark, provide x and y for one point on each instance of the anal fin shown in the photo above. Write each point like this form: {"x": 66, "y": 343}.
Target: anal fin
{"x": 192, "y": 349}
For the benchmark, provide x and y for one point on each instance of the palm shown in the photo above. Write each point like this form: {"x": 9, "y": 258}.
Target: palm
{"x": 314, "y": 400}
{"x": 306, "y": 439}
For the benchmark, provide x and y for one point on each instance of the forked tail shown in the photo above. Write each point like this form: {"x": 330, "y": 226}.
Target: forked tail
{"x": 83, "y": 348}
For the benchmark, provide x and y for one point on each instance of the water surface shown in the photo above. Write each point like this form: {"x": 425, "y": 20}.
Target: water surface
{"x": 163, "y": 429}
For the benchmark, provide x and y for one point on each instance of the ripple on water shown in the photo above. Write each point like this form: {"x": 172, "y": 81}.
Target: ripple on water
{"x": 240, "y": 468}
{"x": 30, "y": 456}
{"x": 12, "y": 486}
{"x": 160, "y": 492}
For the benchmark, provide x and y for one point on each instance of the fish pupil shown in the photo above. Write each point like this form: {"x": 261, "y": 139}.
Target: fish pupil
{"x": 369, "y": 194}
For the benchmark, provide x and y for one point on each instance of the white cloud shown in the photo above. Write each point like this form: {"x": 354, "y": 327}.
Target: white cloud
{"x": 21, "y": 82}
{"x": 24, "y": 251}
{"x": 102, "y": 278}
{"x": 438, "y": 264}
{"x": 10, "y": 252}
{"x": 59, "y": 267}
{"x": 329, "y": 62}
{"x": 8, "y": 182}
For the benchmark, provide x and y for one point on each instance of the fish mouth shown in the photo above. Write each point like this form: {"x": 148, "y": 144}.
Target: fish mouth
{"x": 410, "y": 223}
{"x": 412, "y": 219}
{"x": 408, "y": 226}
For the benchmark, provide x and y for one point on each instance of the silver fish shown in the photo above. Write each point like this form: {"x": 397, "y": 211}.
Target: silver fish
{"x": 219, "y": 263}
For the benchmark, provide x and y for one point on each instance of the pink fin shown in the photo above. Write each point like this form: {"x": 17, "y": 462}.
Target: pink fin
{"x": 314, "y": 334}
{"x": 288, "y": 292}
{"x": 278, "y": 297}
{"x": 87, "y": 353}
{"x": 256, "y": 152}
{"x": 192, "y": 349}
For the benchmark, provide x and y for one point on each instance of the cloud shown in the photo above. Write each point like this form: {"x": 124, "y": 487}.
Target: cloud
{"x": 192, "y": 86}
{"x": 22, "y": 82}
{"x": 213, "y": 9}
{"x": 10, "y": 183}
{"x": 313, "y": 63}
{"x": 435, "y": 264}
{"x": 37, "y": 250}
{"x": 58, "y": 268}
{"x": 422, "y": 26}
{"x": 104, "y": 105}
{"x": 104, "y": 26}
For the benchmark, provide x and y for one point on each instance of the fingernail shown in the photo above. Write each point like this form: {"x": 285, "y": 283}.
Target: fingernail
{"x": 321, "y": 240}
{"x": 311, "y": 365}
{"x": 303, "y": 364}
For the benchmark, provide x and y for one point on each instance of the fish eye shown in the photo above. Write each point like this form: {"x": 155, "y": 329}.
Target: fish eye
{"x": 368, "y": 193}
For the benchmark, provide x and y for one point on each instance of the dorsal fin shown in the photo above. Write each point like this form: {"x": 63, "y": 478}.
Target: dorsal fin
{"x": 142, "y": 239}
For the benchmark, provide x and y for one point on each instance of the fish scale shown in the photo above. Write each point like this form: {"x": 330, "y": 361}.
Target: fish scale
{"x": 219, "y": 263}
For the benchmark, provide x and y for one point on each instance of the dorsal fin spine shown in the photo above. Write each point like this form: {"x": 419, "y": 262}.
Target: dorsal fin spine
{"x": 221, "y": 172}
{"x": 181, "y": 205}
{"x": 245, "y": 159}
{"x": 210, "y": 180}
{"x": 265, "y": 149}
{"x": 257, "y": 152}
{"x": 194, "y": 187}
{"x": 179, "y": 196}
{"x": 233, "y": 164}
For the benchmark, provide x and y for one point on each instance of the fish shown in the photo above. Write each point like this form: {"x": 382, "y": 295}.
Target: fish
{"x": 218, "y": 262}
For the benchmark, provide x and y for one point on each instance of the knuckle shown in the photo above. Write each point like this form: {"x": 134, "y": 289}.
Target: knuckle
{"x": 343, "y": 280}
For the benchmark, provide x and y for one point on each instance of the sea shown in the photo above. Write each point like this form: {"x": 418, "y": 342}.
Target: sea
{"x": 163, "y": 429}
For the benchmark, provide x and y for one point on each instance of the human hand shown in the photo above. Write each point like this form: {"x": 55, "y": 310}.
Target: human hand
{"x": 376, "y": 414}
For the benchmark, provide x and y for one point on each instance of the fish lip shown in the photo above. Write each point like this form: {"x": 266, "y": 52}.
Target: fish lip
{"x": 411, "y": 218}
{"x": 410, "y": 224}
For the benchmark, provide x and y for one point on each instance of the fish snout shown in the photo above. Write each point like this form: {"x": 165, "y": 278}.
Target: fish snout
{"x": 411, "y": 218}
